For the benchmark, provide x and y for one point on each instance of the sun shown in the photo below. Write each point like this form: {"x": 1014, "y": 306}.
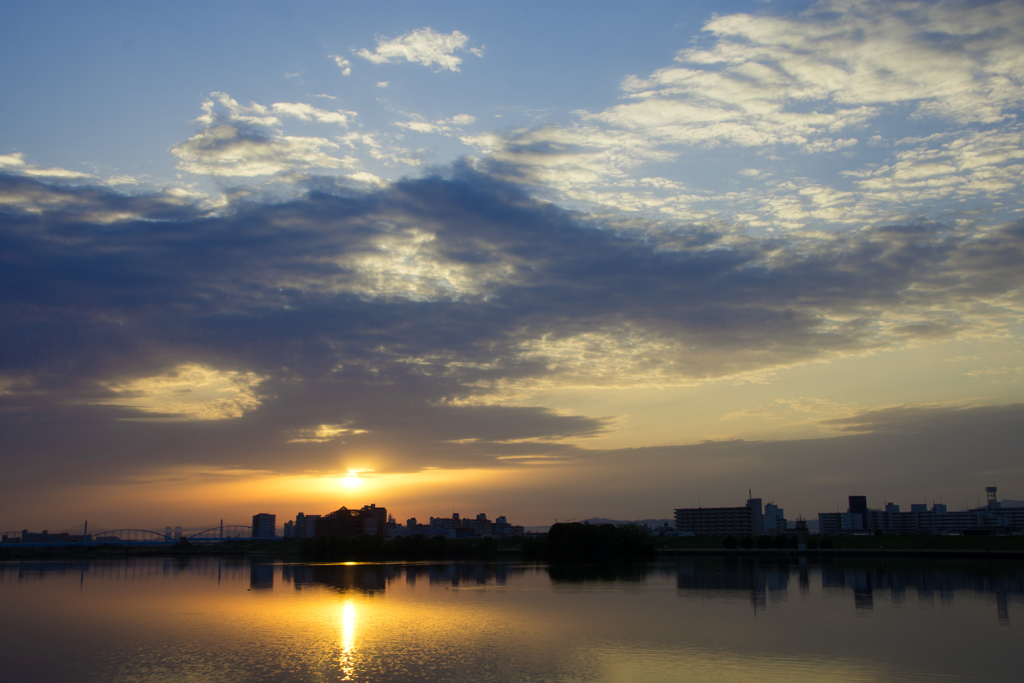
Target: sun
{"x": 352, "y": 480}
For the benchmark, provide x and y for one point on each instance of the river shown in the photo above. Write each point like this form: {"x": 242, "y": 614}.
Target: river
{"x": 212, "y": 619}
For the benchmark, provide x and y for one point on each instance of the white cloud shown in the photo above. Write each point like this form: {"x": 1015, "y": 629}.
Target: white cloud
{"x": 422, "y": 46}
{"x": 326, "y": 97}
{"x": 16, "y": 163}
{"x": 799, "y": 81}
{"x": 974, "y": 164}
{"x": 409, "y": 263}
{"x": 122, "y": 180}
{"x": 440, "y": 126}
{"x": 383, "y": 84}
{"x": 343, "y": 64}
{"x": 306, "y": 112}
{"x": 798, "y": 85}
{"x": 229, "y": 150}
{"x": 9, "y": 160}
{"x": 190, "y": 391}
{"x": 367, "y": 178}
{"x": 247, "y": 141}
{"x": 221, "y": 104}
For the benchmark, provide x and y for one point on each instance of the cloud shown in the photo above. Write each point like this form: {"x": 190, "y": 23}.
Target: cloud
{"x": 24, "y": 194}
{"x": 16, "y": 162}
{"x": 785, "y": 87}
{"x": 972, "y": 164}
{"x": 422, "y": 46}
{"x": 846, "y": 59}
{"x": 247, "y": 141}
{"x": 323, "y": 433}
{"x": 948, "y": 451}
{"x": 441, "y": 126}
{"x": 932, "y": 419}
{"x": 418, "y": 315}
{"x": 187, "y": 392}
{"x": 343, "y": 64}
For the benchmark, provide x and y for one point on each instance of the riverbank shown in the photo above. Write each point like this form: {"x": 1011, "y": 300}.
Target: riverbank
{"x": 409, "y": 549}
{"x": 16, "y": 551}
{"x": 840, "y": 552}
{"x": 909, "y": 545}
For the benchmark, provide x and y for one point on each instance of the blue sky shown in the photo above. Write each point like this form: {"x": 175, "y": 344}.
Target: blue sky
{"x": 475, "y": 252}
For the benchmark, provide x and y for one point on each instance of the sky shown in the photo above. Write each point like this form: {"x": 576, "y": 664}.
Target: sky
{"x": 511, "y": 258}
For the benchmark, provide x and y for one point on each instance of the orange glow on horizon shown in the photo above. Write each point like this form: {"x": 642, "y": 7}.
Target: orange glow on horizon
{"x": 191, "y": 498}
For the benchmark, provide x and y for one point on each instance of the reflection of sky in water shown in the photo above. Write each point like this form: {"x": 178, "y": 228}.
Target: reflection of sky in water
{"x": 210, "y": 619}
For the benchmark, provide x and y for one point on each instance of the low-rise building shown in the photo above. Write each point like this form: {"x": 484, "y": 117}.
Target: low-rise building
{"x": 992, "y": 518}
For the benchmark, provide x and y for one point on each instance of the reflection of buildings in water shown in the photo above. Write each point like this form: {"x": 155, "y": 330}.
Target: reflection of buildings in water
{"x": 731, "y": 576}
{"x": 765, "y": 582}
{"x": 840, "y": 579}
{"x": 370, "y": 578}
{"x": 569, "y": 572}
{"x": 466, "y": 573}
{"x": 1002, "y": 607}
{"x": 927, "y": 580}
{"x": 361, "y": 578}
{"x": 127, "y": 569}
{"x": 261, "y": 576}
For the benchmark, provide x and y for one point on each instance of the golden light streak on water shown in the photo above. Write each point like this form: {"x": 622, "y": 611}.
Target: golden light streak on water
{"x": 348, "y": 639}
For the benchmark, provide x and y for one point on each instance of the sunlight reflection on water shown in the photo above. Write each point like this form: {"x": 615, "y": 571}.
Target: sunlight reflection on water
{"x": 705, "y": 619}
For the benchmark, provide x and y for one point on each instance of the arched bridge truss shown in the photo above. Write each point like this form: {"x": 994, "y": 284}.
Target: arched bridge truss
{"x": 129, "y": 536}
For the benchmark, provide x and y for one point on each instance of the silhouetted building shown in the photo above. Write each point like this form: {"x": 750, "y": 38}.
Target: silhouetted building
{"x": 264, "y": 525}
{"x": 774, "y": 519}
{"x": 747, "y": 520}
{"x": 345, "y": 523}
{"x": 305, "y": 525}
{"x": 859, "y": 506}
{"x": 920, "y": 520}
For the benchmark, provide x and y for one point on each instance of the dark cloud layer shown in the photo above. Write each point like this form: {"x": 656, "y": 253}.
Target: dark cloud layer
{"x": 943, "y": 454}
{"x": 406, "y": 313}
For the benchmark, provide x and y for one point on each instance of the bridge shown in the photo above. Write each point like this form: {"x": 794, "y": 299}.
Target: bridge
{"x": 130, "y": 537}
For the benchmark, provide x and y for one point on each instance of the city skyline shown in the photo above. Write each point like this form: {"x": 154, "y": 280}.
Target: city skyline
{"x": 459, "y": 256}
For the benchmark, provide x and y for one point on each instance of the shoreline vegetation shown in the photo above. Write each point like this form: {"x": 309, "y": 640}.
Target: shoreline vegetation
{"x": 564, "y": 541}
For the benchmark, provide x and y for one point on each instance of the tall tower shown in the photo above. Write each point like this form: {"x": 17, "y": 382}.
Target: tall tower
{"x": 990, "y": 493}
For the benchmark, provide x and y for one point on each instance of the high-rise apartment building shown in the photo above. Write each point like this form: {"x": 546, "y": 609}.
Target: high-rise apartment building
{"x": 264, "y": 525}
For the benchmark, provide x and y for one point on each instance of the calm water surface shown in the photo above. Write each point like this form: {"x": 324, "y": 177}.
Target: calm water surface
{"x": 703, "y": 619}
